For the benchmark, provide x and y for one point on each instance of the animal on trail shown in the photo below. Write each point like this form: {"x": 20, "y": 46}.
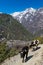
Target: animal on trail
{"x": 34, "y": 43}
{"x": 24, "y": 52}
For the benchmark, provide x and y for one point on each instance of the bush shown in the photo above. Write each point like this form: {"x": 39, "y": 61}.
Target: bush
{"x": 6, "y": 53}
{"x": 40, "y": 39}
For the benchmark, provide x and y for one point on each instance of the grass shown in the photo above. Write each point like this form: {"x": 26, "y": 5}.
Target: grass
{"x": 6, "y": 53}
{"x": 40, "y": 39}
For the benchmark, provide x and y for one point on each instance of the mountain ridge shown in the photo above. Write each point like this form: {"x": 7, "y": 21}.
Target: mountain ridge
{"x": 31, "y": 19}
{"x": 10, "y": 28}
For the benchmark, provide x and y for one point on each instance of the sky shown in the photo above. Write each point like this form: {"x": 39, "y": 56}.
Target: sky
{"x": 10, "y": 6}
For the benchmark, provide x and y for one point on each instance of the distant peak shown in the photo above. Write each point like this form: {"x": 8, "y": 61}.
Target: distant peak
{"x": 15, "y": 13}
{"x": 40, "y": 9}
{"x": 30, "y": 10}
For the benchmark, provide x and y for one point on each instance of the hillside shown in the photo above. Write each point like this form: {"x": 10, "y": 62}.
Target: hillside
{"x": 12, "y": 29}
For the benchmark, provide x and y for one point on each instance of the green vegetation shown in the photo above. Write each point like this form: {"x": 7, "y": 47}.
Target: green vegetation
{"x": 5, "y": 52}
{"x": 40, "y": 39}
{"x": 12, "y": 29}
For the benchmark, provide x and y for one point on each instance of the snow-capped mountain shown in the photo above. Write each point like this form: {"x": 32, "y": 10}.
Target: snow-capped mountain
{"x": 30, "y": 18}
{"x": 24, "y": 14}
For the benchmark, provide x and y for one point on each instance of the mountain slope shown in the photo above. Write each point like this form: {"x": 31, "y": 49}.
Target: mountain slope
{"x": 31, "y": 19}
{"x": 12, "y": 29}
{"x": 34, "y": 58}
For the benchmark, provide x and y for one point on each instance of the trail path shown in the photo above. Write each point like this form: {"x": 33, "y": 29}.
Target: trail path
{"x": 34, "y": 58}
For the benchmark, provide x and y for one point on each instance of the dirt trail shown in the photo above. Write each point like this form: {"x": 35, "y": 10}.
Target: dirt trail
{"x": 34, "y": 58}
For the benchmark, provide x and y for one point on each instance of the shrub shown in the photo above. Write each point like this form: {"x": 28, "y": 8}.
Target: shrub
{"x": 6, "y": 53}
{"x": 40, "y": 39}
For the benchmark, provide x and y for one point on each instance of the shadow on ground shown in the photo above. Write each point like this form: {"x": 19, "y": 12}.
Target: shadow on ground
{"x": 28, "y": 58}
{"x": 35, "y": 49}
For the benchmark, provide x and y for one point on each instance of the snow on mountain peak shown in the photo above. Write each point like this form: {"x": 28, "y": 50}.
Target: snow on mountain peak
{"x": 30, "y": 18}
{"x": 30, "y": 10}
{"x": 40, "y": 10}
{"x": 15, "y": 14}
{"x": 24, "y": 14}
